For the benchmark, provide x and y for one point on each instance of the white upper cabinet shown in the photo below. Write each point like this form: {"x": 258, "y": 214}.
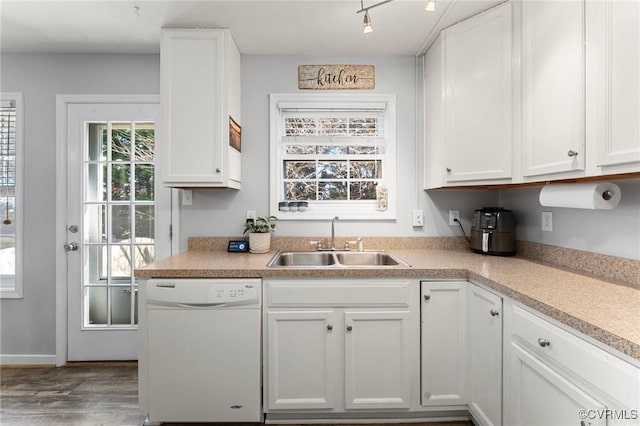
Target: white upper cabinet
{"x": 200, "y": 95}
{"x": 477, "y": 106}
{"x": 613, "y": 83}
{"x": 553, "y": 86}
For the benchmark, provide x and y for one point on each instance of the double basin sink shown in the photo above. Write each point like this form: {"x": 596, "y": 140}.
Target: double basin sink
{"x": 331, "y": 259}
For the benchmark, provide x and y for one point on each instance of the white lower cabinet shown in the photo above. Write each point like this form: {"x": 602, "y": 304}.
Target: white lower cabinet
{"x": 555, "y": 377}
{"x": 301, "y": 349}
{"x": 485, "y": 355}
{"x": 541, "y": 396}
{"x": 444, "y": 349}
{"x": 340, "y": 345}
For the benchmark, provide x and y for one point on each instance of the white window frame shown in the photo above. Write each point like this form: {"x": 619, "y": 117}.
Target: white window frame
{"x": 16, "y": 292}
{"x": 345, "y": 209}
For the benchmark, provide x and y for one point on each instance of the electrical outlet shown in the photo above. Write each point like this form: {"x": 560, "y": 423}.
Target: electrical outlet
{"x": 418, "y": 218}
{"x": 187, "y": 197}
{"x": 251, "y": 214}
{"x": 453, "y": 215}
{"x": 547, "y": 221}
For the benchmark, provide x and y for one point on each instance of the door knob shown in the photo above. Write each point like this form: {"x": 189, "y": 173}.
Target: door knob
{"x": 73, "y": 246}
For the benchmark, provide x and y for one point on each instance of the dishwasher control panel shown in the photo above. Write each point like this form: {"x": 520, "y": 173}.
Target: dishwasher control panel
{"x": 204, "y": 293}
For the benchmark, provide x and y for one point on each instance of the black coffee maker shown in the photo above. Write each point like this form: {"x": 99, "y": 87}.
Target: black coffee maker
{"x": 493, "y": 232}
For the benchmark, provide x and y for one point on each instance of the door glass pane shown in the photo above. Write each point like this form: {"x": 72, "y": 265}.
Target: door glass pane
{"x": 120, "y": 261}
{"x": 98, "y": 146}
{"x": 145, "y": 224}
{"x": 96, "y": 182}
{"x": 144, "y": 255}
{"x": 144, "y": 142}
{"x": 97, "y": 305}
{"x": 94, "y": 269}
{"x": 120, "y": 223}
{"x": 95, "y": 223}
{"x": 120, "y": 305}
{"x": 120, "y": 182}
{"x": 144, "y": 182}
{"x": 121, "y": 141}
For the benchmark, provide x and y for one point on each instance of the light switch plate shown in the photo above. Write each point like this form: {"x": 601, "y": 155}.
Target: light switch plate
{"x": 187, "y": 197}
{"x": 547, "y": 221}
{"x": 418, "y": 218}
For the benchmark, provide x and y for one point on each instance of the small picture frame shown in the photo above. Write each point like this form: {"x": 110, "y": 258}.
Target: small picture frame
{"x": 234, "y": 134}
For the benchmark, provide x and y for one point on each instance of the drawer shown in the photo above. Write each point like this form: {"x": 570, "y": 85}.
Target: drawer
{"x": 583, "y": 361}
{"x": 340, "y": 293}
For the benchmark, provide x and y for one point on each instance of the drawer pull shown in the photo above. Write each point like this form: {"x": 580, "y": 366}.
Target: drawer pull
{"x": 543, "y": 342}
{"x": 494, "y": 312}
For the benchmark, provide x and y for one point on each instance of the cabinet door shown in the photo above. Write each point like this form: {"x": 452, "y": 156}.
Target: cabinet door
{"x": 541, "y": 396}
{"x": 301, "y": 359}
{"x": 485, "y": 361}
{"x": 443, "y": 350}
{"x": 377, "y": 359}
{"x": 192, "y": 71}
{"x": 478, "y": 96}
{"x": 552, "y": 87}
{"x": 613, "y": 85}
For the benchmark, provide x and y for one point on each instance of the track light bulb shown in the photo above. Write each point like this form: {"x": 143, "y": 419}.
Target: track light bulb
{"x": 367, "y": 23}
{"x": 431, "y": 5}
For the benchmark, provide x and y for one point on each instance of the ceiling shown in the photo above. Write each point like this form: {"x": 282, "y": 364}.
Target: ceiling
{"x": 260, "y": 27}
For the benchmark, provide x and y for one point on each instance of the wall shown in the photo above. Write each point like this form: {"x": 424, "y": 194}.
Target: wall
{"x": 222, "y": 212}
{"x": 27, "y": 326}
{"x": 614, "y": 232}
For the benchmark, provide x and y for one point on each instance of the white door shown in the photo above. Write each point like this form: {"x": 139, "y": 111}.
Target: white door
{"x": 118, "y": 219}
{"x": 377, "y": 370}
{"x": 301, "y": 359}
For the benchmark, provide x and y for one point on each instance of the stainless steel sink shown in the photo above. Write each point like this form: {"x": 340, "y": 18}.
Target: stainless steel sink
{"x": 321, "y": 260}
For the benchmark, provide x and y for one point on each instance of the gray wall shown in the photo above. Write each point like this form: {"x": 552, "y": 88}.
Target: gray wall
{"x": 222, "y": 213}
{"x": 27, "y": 326}
{"x": 614, "y": 232}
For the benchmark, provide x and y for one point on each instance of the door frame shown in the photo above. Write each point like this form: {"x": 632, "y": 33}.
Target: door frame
{"x": 61, "y": 276}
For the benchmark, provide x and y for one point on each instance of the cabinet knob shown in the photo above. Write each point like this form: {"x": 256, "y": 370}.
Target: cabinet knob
{"x": 427, "y": 297}
{"x": 543, "y": 342}
{"x": 349, "y": 328}
{"x": 572, "y": 153}
{"x": 218, "y": 170}
{"x": 329, "y": 327}
{"x": 448, "y": 169}
{"x": 494, "y": 312}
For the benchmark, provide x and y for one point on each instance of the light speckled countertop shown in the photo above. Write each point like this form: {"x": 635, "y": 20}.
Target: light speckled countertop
{"x": 603, "y": 310}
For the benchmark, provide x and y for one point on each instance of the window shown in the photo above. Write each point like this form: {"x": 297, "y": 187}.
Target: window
{"x": 336, "y": 152}
{"x": 11, "y": 195}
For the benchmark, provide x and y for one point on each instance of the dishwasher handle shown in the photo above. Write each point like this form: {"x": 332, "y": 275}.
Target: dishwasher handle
{"x": 201, "y": 305}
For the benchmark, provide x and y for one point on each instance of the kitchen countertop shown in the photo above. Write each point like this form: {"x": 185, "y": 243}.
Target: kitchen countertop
{"x": 606, "y": 311}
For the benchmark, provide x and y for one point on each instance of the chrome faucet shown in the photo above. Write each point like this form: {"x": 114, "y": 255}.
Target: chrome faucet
{"x": 333, "y": 232}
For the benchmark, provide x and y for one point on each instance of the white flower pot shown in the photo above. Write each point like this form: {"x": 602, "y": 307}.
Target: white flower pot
{"x": 259, "y": 242}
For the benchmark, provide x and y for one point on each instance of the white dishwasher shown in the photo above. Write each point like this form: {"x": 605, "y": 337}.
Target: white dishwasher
{"x": 204, "y": 350}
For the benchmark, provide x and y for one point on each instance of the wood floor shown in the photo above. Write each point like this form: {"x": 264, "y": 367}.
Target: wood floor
{"x": 84, "y": 395}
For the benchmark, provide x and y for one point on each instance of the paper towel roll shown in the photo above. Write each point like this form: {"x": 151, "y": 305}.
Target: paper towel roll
{"x": 594, "y": 195}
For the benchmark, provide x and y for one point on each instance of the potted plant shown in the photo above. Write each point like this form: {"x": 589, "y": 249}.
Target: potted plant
{"x": 260, "y": 233}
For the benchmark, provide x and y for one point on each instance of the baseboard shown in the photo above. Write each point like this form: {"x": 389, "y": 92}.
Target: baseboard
{"x": 27, "y": 360}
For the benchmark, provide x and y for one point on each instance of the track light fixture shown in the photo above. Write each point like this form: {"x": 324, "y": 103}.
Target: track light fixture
{"x": 431, "y": 6}
{"x": 367, "y": 23}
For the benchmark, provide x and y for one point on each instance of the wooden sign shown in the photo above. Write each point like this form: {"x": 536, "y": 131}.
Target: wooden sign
{"x": 336, "y": 77}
